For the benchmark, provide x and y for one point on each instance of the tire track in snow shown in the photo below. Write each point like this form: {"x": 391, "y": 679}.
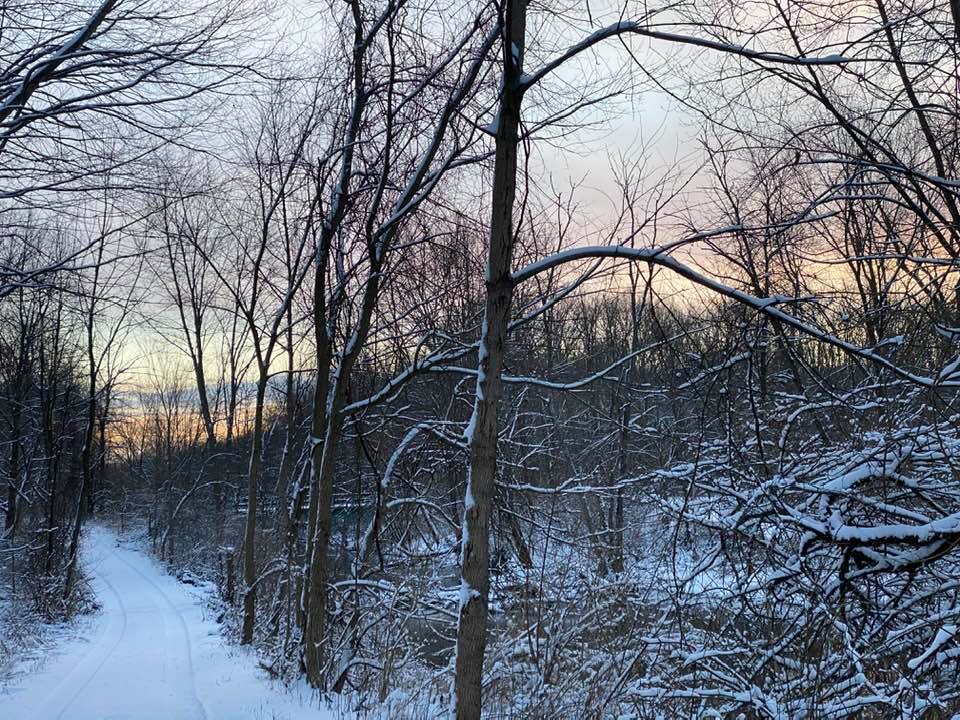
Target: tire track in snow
{"x": 128, "y": 664}
{"x": 183, "y": 628}
{"x": 107, "y": 655}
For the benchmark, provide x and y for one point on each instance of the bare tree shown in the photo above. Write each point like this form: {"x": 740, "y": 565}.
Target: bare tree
{"x": 88, "y": 90}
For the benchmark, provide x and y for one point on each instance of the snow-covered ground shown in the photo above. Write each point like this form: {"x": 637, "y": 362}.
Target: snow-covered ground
{"x": 150, "y": 654}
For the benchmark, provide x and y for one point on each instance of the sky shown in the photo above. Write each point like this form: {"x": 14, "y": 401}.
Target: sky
{"x": 582, "y": 157}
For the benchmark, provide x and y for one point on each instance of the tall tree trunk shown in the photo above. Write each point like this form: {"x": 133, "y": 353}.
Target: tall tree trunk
{"x": 326, "y": 423}
{"x": 86, "y": 462}
{"x": 102, "y": 420}
{"x": 287, "y": 460}
{"x": 13, "y": 479}
{"x": 319, "y": 559}
{"x": 323, "y": 464}
{"x": 484, "y": 426}
{"x": 250, "y": 527}
{"x": 318, "y": 428}
{"x": 283, "y": 520}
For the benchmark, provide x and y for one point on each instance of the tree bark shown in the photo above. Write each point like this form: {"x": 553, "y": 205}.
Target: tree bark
{"x": 324, "y": 456}
{"x": 250, "y": 528}
{"x": 86, "y": 459}
{"x": 318, "y": 431}
{"x": 13, "y": 471}
{"x": 484, "y": 427}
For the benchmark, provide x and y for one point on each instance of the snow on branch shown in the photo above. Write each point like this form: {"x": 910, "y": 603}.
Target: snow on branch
{"x": 767, "y": 306}
{"x": 634, "y": 27}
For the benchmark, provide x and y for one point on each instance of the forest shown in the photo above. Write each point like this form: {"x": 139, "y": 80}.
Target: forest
{"x": 493, "y": 358}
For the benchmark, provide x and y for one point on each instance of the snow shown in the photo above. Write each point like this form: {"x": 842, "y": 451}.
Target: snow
{"x": 644, "y": 29}
{"x": 949, "y": 370}
{"x": 944, "y": 635}
{"x": 471, "y": 427}
{"x": 465, "y": 595}
{"x": 150, "y": 654}
{"x": 492, "y": 127}
{"x": 660, "y": 256}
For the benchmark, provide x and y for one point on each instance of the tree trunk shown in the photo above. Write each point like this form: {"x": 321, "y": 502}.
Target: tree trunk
{"x": 323, "y": 463}
{"x": 319, "y": 559}
{"x": 86, "y": 467}
{"x": 13, "y": 480}
{"x": 484, "y": 427}
{"x": 250, "y": 528}
{"x": 318, "y": 430}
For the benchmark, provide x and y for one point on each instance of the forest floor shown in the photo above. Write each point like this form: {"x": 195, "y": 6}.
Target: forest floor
{"x": 151, "y": 653}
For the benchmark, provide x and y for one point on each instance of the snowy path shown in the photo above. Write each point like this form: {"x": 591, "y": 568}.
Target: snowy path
{"x": 150, "y": 655}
